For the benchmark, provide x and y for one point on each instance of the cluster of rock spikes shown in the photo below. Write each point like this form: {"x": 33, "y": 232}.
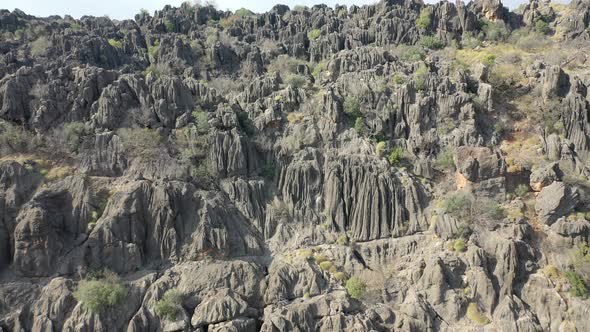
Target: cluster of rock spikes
{"x": 399, "y": 166}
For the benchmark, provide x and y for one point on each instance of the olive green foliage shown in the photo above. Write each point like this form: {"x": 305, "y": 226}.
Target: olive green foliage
{"x": 444, "y": 161}
{"x": 459, "y": 245}
{"x": 243, "y": 12}
{"x": 285, "y": 64}
{"x": 424, "y": 20}
{"x": 489, "y": 60}
{"x": 295, "y": 81}
{"x": 314, "y": 34}
{"x": 14, "y": 139}
{"x": 521, "y": 190}
{"x": 380, "y": 148}
{"x": 153, "y": 49}
{"x": 469, "y": 41}
{"x": 411, "y": 54}
{"x": 396, "y": 155}
{"x": 352, "y": 107}
{"x": 488, "y": 209}
{"x": 397, "y": 79}
{"x": 496, "y": 31}
{"x": 170, "y": 305}
{"x": 142, "y": 142}
{"x": 40, "y": 46}
{"x": 96, "y": 295}
{"x": 116, "y": 43}
{"x": 340, "y": 276}
{"x": 475, "y": 315}
{"x": 326, "y": 265}
{"x": 577, "y": 285}
{"x": 202, "y": 119}
{"x": 169, "y": 25}
{"x": 420, "y": 77}
{"x": 359, "y": 125}
{"x": 75, "y": 26}
{"x": 542, "y": 27}
{"x": 75, "y": 132}
{"x": 342, "y": 240}
{"x": 431, "y": 42}
{"x": 356, "y": 287}
{"x": 319, "y": 68}
{"x": 458, "y": 204}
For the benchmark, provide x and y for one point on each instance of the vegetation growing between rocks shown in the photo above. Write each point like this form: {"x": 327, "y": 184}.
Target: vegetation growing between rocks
{"x": 356, "y": 287}
{"x": 97, "y": 295}
{"x": 170, "y": 305}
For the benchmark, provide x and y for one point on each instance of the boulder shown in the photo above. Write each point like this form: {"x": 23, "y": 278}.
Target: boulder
{"x": 555, "y": 201}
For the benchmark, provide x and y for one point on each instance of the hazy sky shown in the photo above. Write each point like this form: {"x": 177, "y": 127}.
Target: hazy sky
{"x": 121, "y": 9}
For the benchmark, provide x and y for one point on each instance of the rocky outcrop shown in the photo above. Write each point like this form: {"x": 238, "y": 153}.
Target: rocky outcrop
{"x": 555, "y": 201}
{"x": 52, "y": 224}
{"x": 378, "y": 203}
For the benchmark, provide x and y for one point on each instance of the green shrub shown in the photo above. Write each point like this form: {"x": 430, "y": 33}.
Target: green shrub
{"x": 340, "y": 276}
{"x": 243, "y": 12}
{"x": 521, "y": 190}
{"x": 359, "y": 125}
{"x": 296, "y": 81}
{"x": 75, "y": 132}
{"x": 577, "y": 284}
{"x": 169, "y": 25}
{"x": 489, "y": 209}
{"x": 314, "y": 34}
{"x": 444, "y": 161}
{"x": 420, "y": 77}
{"x": 424, "y": 20}
{"x": 475, "y": 315}
{"x": 542, "y": 27}
{"x": 40, "y": 46}
{"x": 202, "y": 119}
{"x": 284, "y": 65}
{"x": 305, "y": 253}
{"x": 459, "y": 245}
{"x": 319, "y": 68}
{"x": 319, "y": 258}
{"x": 397, "y": 79}
{"x": 458, "y": 204}
{"x": 153, "y": 49}
{"x": 326, "y": 265}
{"x": 411, "y": 54}
{"x": 431, "y": 42}
{"x": 380, "y": 148}
{"x": 170, "y": 305}
{"x": 496, "y": 31}
{"x": 396, "y": 155}
{"x": 356, "y": 288}
{"x": 98, "y": 295}
{"x": 352, "y": 107}
{"x": 142, "y": 142}
{"x": 470, "y": 41}
{"x": 489, "y": 60}
{"x": 14, "y": 139}
{"x": 342, "y": 240}
{"x": 116, "y": 43}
